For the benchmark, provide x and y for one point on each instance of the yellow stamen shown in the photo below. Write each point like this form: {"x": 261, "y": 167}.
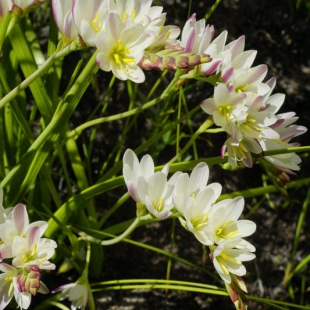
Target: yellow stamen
{"x": 223, "y": 266}
{"x": 199, "y": 222}
{"x": 158, "y": 205}
{"x": 230, "y": 259}
{"x": 242, "y": 89}
{"x": 95, "y": 25}
{"x": 133, "y": 15}
{"x": 221, "y": 231}
{"x": 124, "y": 16}
{"x": 168, "y": 34}
{"x": 224, "y": 110}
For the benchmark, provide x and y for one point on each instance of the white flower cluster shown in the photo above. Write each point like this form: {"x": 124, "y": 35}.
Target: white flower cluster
{"x": 214, "y": 224}
{"x": 242, "y": 103}
{"x": 130, "y": 35}
{"x": 120, "y": 30}
{"x": 21, "y": 242}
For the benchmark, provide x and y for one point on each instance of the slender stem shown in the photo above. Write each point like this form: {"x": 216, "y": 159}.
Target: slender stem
{"x": 298, "y": 149}
{"x": 115, "y": 117}
{"x": 117, "y": 239}
{"x": 301, "y": 222}
{"x": 44, "y": 68}
{"x": 212, "y": 9}
{"x": 200, "y": 130}
{"x": 171, "y": 88}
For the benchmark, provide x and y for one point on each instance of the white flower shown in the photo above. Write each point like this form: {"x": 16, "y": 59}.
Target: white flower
{"x": 62, "y": 11}
{"x": 6, "y": 284}
{"x": 89, "y": 18}
{"x": 198, "y": 38}
{"x": 235, "y": 58}
{"x": 76, "y": 292}
{"x": 121, "y": 46}
{"x": 249, "y": 80}
{"x": 227, "y": 258}
{"x": 224, "y": 224}
{"x": 156, "y": 194}
{"x": 285, "y": 162}
{"x": 20, "y": 282}
{"x": 133, "y": 170}
{"x": 33, "y": 250}
{"x": 190, "y": 186}
{"x": 225, "y": 106}
{"x": 239, "y": 152}
{"x": 17, "y": 225}
{"x": 255, "y": 122}
{"x": 197, "y": 209}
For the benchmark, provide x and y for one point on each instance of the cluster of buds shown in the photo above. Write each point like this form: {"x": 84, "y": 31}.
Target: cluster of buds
{"x": 23, "y": 254}
{"x": 188, "y": 197}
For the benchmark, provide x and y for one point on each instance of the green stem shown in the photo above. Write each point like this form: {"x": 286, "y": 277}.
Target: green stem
{"x": 298, "y": 149}
{"x": 115, "y": 117}
{"x": 208, "y": 123}
{"x": 301, "y": 222}
{"x": 117, "y": 239}
{"x": 4, "y": 24}
{"x": 119, "y": 116}
{"x": 42, "y": 69}
{"x": 212, "y": 9}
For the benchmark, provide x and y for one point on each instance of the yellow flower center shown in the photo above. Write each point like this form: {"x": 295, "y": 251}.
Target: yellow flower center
{"x": 250, "y": 125}
{"x": 120, "y": 54}
{"x": 224, "y": 110}
{"x": 222, "y": 233}
{"x": 199, "y": 222}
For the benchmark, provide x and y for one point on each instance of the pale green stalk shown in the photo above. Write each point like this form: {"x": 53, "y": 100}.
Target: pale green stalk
{"x": 164, "y": 95}
{"x": 208, "y": 123}
{"x": 212, "y": 9}
{"x": 157, "y": 250}
{"x": 301, "y": 222}
{"x": 161, "y": 287}
{"x": 158, "y": 281}
{"x": 41, "y": 70}
{"x": 119, "y": 238}
{"x": 4, "y": 24}
{"x": 169, "y": 263}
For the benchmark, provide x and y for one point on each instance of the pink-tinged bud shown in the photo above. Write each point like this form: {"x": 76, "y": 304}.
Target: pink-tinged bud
{"x": 194, "y": 60}
{"x": 29, "y": 280}
{"x": 169, "y": 63}
{"x": 172, "y": 59}
{"x": 235, "y": 290}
